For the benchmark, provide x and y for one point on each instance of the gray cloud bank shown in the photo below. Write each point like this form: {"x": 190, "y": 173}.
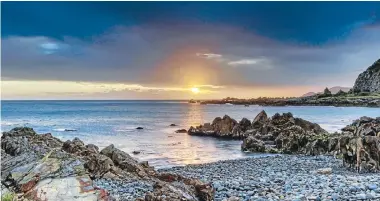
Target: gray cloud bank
{"x": 173, "y": 55}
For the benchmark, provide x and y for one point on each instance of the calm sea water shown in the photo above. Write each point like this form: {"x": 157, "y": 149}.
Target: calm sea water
{"x": 106, "y": 122}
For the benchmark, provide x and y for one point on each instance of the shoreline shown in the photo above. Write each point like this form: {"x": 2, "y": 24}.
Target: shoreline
{"x": 284, "y": 177}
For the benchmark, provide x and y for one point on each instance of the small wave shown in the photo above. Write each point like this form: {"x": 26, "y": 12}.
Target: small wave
{"x": 64, "y": 129}
{"x": 10, "y": 123}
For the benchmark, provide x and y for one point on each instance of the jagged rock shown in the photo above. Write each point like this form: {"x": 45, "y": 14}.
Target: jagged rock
{"x": 369, "y": 80}
{"x": 122, "y": 159}
{"x": 253, "y": 144}
{"x": 24, "y": 140}
{"x": 20, "y": 131}
{"x": 281, "y": 133}
{"x": 359, "y": 145}
{"x": 98, "y": 165}
{"x": 260, "y": 119}
{"x": 92, "y": 148}
{"x": 15, "y": 145}
{"x": 225, "y": 127}
{"x": 245, "y": 124}
{"x": 203, "y": 191}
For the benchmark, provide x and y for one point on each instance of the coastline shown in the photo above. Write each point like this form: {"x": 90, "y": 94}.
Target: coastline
{"x": 342, "y": 99}
{"x": 32, "y": 164}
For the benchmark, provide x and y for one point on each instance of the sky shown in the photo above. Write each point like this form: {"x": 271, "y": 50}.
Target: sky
{"x": 183, "y": 50}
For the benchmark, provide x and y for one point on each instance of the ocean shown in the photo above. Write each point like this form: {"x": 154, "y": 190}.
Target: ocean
{"x": 114, "y": 122}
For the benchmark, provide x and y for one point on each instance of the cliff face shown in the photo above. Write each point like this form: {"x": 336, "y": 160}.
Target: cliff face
{"x": 369, "y": 80}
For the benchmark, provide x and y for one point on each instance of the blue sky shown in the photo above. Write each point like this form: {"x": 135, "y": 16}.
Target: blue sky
{"x": 246, "y": 45}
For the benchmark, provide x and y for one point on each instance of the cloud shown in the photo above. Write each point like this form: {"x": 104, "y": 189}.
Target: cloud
{"x": 257, "y": 63}
{"x": 186, "y": 55}
{"x": 243, "y": 62}
{"x": 209, "y": 55}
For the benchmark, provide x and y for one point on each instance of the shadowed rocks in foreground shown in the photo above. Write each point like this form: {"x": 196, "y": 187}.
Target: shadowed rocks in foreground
{"x": 33, "y": 164}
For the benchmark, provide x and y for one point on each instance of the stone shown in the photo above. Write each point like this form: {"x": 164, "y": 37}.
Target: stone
{"x": 372, "y": 186}
{"x": 324, "y": 171}
{"x": 139, "y": 128}
{"x": 136, "y": 152}
{"x": 181, "y": 131}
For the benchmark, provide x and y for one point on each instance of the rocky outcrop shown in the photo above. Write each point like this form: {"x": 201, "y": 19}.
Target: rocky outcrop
{"x": 360, "y": 144}
{"x": 280, "y": 134}
{"x": 369, "y": 80}
{"x": 228, "y": 127}
{"x": 32, "y": 164}
{"x": 220, "y": 127}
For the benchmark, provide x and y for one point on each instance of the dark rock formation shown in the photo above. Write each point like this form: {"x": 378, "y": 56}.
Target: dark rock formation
{"x": 360, "y": 144}
{"x": 281, "y": 133}
{"x": 369, "y": 80}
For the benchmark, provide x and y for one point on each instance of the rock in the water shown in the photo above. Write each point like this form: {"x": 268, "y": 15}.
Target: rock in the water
{"x": 181, "y": 131}
{"x": 136, "y": 152}
{"x": 220, "y": 127}
{"x": 139, "y": 128}
{"x": 172, "y": 125}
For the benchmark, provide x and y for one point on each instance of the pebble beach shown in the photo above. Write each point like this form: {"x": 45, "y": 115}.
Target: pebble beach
{"x": 284, "y": 177}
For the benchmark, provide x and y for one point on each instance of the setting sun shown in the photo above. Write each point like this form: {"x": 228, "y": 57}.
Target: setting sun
{"x": 195, "y": 90}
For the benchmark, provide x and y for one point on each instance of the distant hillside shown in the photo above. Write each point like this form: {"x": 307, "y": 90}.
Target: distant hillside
{"x": 309, "y": 94}
{"x": 369, "y": 80}
{"x": 333, "y": 90}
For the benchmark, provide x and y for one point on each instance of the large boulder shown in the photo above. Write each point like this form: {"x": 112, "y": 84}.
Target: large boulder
{"x": 123, "y": 160}
{"x": 223, "y": 126}
{"x": 220, "y": 127}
